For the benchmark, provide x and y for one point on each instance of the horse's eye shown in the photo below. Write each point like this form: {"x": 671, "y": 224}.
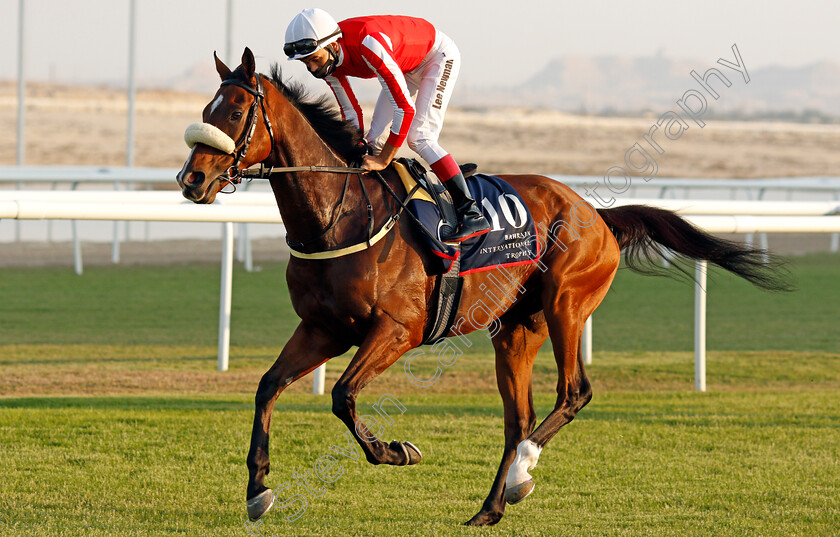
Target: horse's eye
{"x": 236, "y": 116}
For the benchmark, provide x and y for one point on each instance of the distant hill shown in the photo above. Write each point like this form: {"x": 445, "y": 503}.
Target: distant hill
{"x": 621, "y": 85}
{"x": 615, "y": 85}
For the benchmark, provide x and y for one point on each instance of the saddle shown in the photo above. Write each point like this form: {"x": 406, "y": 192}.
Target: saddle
{"x": 432, "y": 184}
{"x": 449, "y": 284}
{"x": 511, "y": 241}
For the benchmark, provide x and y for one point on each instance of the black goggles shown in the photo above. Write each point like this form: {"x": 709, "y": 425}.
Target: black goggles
{"x": 305, "y": 47}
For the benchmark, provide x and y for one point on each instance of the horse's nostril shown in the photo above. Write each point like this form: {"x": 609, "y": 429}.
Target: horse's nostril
{"x": 194, "y": 178}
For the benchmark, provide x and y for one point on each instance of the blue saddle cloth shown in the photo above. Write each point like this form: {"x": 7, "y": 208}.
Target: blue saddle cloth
{"x": 511, "y": 240}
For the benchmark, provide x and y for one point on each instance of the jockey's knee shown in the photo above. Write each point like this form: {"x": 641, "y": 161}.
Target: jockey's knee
{"x": 418, "y": 144}
{"x": 424, "y": 146}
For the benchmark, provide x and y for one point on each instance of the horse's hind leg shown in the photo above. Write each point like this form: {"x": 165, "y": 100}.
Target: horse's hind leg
{"x": 516, "y": 346}
{"x": 568, "y": 300}
{"x": 308, "y": 348}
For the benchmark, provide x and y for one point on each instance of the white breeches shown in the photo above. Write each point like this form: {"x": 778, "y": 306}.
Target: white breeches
{"x": 433, "y": 82}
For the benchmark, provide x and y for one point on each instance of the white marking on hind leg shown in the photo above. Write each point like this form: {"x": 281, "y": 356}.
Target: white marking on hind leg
{"x": 527, "y": 454}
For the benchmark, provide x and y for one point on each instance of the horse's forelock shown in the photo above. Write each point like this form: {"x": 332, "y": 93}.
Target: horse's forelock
{"x": 238, "y": 74}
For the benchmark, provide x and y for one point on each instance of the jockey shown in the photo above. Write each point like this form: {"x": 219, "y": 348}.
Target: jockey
{"x": 406, "y": 55}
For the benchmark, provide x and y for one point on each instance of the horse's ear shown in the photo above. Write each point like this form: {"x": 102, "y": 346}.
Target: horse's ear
{"x": 221, "y": 68}
{"x": 248, "y": 64}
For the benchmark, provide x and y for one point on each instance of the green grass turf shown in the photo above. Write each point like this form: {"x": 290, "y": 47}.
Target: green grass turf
{"x": 179, "y": 306}
{"x": 652, "y": 313}
{"x": 666, "y": 463}
{"x": 114, "y": 421}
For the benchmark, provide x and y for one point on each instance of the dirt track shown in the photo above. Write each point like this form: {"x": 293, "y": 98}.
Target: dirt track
{"x": 67, "y": 125}
{"x": 86, "y": 126}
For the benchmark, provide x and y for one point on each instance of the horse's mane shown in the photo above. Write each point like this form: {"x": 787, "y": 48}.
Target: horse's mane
{"x": 324, "y": 117}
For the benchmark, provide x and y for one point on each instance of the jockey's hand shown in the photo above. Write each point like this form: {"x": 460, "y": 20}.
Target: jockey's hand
{"x": 380, "y": 161}
{"x": 374, "y": 164}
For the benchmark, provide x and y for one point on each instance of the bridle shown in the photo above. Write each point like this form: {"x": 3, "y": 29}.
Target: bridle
{"x": 233, "y": 175}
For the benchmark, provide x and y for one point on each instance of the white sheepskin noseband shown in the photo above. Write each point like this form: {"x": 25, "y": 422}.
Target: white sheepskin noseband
{"x": 207, "y": 134}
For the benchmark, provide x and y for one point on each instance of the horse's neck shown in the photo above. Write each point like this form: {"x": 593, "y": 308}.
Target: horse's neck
{"x": 305, "y": 199}
{"x": 298, "y": 144}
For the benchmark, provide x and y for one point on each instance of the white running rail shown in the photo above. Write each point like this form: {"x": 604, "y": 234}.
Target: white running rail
{"x": 796, "y": 217}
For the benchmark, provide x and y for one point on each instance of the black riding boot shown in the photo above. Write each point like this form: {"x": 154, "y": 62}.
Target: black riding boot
{"x": 472, "y": 222}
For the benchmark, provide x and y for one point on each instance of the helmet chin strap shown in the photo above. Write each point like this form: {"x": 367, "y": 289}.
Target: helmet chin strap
{"x": 330, "y": 65}
{"x": 334, "y": 56}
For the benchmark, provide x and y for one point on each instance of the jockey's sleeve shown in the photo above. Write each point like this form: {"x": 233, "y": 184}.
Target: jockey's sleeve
{"x": 380, "y": 122}
{"x": 377, "y": 54}
{"x": 350, "y": 109}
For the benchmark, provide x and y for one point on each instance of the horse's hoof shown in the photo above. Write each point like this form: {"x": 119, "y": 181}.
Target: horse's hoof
{"x": 484, "y": 518}
{"x": 259, "y": 504}
{"x": 517, "y": 493}
{"x": 412, "y": 452}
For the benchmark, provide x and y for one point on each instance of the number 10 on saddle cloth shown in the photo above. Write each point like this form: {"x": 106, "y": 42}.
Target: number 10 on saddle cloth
{"x": 511, "y": 240}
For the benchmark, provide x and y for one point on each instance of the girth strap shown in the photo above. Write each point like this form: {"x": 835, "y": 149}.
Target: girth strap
{"x": 448, "y": 292}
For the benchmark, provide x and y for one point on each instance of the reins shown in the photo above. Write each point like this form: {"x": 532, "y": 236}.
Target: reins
{"x": 235, "y": 175}
{"x": 268, "y": 173}
{"x": 245, "y": 142}
{"x": 271, "y": 171}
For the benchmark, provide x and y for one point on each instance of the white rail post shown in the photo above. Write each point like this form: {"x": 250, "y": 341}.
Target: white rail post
{"x": 834, "y": 245}
{"x": 764, "y": 245}
{"x": 249, "y": 257}
{"x": 586, "y": 342}
{"x": 129, "y": 137}
{"x": 229, "y": 32}
{"x": 77, "y": 245}
{"x": 49, "y": 222}
{"x": 248, "y": 254}
{"x": 700, "y": 327}
{"x": 21, "y": 94}
{"x": 240, "y": 249}
{"x": 132, "y": 89}
{"x": 667, "y": 256}
{"x": 226, "y": 292}
{"x": 78, "y": 266}
{"x": 318, "y": 379}
{"x": 115, "y": 244}
{"x": 243, "y": 248}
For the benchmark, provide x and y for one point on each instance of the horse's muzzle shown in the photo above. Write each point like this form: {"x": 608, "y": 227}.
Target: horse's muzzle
{"x": 192, "y": 187}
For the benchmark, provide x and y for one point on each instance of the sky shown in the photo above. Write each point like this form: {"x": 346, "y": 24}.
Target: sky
{"x": 503, "y": 43}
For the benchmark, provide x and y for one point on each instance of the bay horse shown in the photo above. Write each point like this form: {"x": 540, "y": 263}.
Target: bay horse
{"x": 380, "y": 299}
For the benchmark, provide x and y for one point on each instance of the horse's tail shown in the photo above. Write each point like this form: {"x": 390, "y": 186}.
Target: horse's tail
{"x": 640, "y": 231}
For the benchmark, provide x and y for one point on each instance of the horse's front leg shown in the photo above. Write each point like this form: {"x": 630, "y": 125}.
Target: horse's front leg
{"x": 308, "y": 348}
{"x": 383, "y": 346}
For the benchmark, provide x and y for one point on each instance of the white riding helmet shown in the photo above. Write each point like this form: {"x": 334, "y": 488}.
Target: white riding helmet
{"x": 311, "y": 30}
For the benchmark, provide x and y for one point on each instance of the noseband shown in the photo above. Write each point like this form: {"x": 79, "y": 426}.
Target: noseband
{"x": 212, "y": 136}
